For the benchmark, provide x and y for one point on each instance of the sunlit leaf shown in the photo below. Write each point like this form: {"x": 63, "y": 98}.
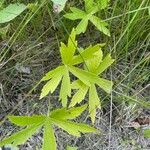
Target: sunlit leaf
{"x": 88, "y": 4}
{"x": 102, "y": 4}
{"x": 100, "y": 25}
{"x": 78, "y": 96}
{"x": 86, "y": 54}
{"x": 64, "y": 113}
{"x": 73, "y": 128}
{"x": 93, "y": 63}
{"x": 77, "y": 14}
{"x": 27, "y": 120}
{"x": 94, "y": 102}
{"x": 21, "y": 136}
{"x": 65, "y": 90}
{"x": 53, "y": 73}
{"x": 49, "y": 142}
{"x": 82, "y": 26}
{"x": 107, "y": 61}
{"x": 56, "y": 117}
{"x": 91, "y": 9}
{"x": 51, "y": 85}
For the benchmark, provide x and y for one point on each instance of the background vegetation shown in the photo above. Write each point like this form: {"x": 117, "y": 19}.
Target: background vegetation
{"x": 30, "y": 48}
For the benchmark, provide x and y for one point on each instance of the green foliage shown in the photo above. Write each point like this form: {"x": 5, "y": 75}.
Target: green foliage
{"x": 95, "y": 65}
{"x": 33, "y": 123}
{"x": 10, "y": 12}
{"x": 91, "y": 8}
{"x": 147, "y": 133}
{"x": 91, "y": 58}
{"x": 69, "y": 59}
{"x": 102, "y": 4}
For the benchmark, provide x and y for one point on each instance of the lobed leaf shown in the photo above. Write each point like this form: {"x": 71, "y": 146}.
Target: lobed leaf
{"x": 81, "y": 74}
{"x": 107, "y": 61}
{"x": 100, "y": 25}
{"x": 102, "y": 4}
{"x": 106, "y": 85}
{"x": 88, "y": 5}
{"x": 22, "y": 136}
{"x": 27, "y": 120}
{"x": 76, "y": 14}
{"x": 51, "y": 85}
{"x": 53, "y": 73}
{"x": 82, "y": 26}
{"x": 86, "y": 54}
{"x": 93, "y": 63}
{"x": 74, "y": 128}
{"x": 94, "y": 102}
{"x": 49, "y": 137}
{"x": 65, "y": 90}
{"x": 88, "y": 78}
{"x": 72, "y": 44}
{"x": 67, "y": 52}
{"x": 78, "y": 96}
{"x": 65, "y": 114}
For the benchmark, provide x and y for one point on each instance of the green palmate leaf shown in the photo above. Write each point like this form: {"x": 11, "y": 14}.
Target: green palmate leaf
{"x": 72, "y": 44}
{"x": 147, "y": 133}
{"x": 53, "y": 73}
{"x": 88, "y": 78}
{"x": 86, "y": 54}
{"x": 81, "y": 74}
{"x": 100, "y": 25}
{"x": 49, "y": 137}
{"x": 27, "y": 120}
{"x": 73, "y": 128}
{"x": 65, "y": 114}
{"x": 88, "y": 5}
{"x": 106, "y": 85}
{"x": 47, "y": 122}
{"x": 63, "y": 50}
{"x": 77, "y": 14}
{"x": 94, "y": 102}
{"x": 79, "y": 96}
{"x": 88, "y": 15}
{"x": 93, "y": 63}
{"x": 67, "y": 52}
{"x": 82, "y": 26}
{"x": 65, "y": 90}
{"x": 10, "y": 12}
{"x": 21, "y": 136}
{"x": 51, "y": 85}
{"x": 77, "y": 84}
{"x": 107, "y": 61}
{"x": 94, "y": 66}
{"x": 102, "y": 4}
